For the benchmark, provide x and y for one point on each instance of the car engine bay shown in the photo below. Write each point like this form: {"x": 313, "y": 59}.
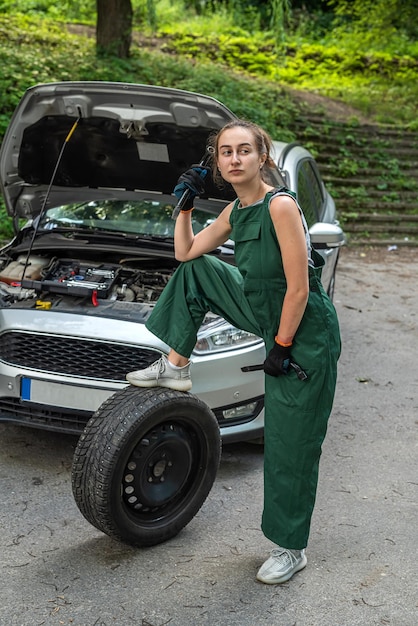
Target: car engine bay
{"x": 36, "y": 281}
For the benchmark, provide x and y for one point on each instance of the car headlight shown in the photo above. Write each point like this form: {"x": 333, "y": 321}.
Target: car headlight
{"x": 221, "y": 336}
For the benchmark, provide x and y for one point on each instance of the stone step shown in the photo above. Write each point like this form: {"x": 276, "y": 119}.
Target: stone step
{"x": 378, "y": 204}
{"x": 356, "y": 142}
{"x": 366, "y": 225}
{"x": 362, "y": 132}
{"x": 373, "y": 185}
{"x": 327, "y": 165}
{"x": 355, "y": 145}
{"x": 366, "y": 205}
{"x": 368, "y": 192}
{"x": 378, "y": 217}
{"x": 318, "y": 122}
{"x": 355, "y": 227}
{"x": 337, "y": 150}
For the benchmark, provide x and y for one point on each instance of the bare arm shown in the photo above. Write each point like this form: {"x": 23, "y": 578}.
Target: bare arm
{"x": 290, "y": 234}
{"x": 189, "y": 246}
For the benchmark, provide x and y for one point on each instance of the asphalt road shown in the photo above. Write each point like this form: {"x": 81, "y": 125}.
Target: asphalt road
{"x": 56, "y": 569}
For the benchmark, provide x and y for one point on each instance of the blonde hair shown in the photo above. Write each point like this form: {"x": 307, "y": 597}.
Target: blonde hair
{"x": 262, "y": 141}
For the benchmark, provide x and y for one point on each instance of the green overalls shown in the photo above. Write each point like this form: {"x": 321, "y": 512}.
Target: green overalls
{"x": 250, "y": 296}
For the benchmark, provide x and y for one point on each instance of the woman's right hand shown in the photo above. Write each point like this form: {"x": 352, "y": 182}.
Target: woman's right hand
{"x": 192, "y": 180}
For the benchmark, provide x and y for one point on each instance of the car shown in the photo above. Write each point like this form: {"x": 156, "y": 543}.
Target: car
{"x": 87, "y": 171}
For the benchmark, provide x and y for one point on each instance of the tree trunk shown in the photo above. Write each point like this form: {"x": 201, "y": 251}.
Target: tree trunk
{"x": 114, "y": 27}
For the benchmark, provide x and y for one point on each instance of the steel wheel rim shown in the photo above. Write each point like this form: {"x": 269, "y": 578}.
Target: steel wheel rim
{"x": 160, "y": 471}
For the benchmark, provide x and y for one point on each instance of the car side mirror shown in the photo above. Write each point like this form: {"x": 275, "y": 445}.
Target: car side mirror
{"x": 324, "y": 235}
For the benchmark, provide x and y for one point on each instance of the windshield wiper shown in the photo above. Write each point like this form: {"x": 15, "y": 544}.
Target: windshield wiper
{"x": 94, "y": 231}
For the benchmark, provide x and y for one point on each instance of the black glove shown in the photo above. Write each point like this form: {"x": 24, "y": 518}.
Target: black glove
{"x": 277, "y": 361}
{"x": 193, "y": 181}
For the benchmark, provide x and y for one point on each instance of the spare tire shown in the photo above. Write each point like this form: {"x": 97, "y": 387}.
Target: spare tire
{"x": 145, "y": 464}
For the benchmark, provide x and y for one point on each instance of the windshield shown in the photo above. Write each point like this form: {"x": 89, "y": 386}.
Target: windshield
{"x": 139, "y": 217}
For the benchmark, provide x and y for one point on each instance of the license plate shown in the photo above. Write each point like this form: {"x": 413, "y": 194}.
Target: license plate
{"x": 65, "y": 396}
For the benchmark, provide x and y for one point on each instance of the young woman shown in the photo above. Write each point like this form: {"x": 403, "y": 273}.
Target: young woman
{"x": 276, "y": 293}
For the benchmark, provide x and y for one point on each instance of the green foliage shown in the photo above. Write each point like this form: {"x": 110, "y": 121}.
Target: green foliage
{"x": 370, "y": 82}
{"x": 377, "y": 19}
{"x": 30, "y": 53}
{"x": 75, "y": 11}
{"x": 357, "y": 193}
{"x": 65, "y": 10}
{"x": 256, "y": 56}
{"x": 6, "y": 227}
{"x": 346, "y": 167}
{"x": 249, "y": 14}
{"x": 367, "y": 72}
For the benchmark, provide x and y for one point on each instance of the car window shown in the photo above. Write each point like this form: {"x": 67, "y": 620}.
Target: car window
{"x": 309, "y": 192}
{"x": 143, "y": 217}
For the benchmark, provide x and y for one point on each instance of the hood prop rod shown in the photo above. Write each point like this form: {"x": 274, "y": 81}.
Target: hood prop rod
{"x": 54, "y": 173}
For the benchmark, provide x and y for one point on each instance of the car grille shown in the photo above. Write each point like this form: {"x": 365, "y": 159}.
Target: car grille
{"x": 73, "y": 357}
{"x": 54, "y": 419}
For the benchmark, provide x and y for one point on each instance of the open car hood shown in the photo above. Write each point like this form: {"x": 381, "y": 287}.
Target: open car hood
{"x": 128, "y": 137}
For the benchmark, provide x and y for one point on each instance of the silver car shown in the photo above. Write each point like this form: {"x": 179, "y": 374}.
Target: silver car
{"x": 87, "y": 171}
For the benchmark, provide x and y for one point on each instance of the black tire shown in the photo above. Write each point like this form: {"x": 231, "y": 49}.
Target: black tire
{"x": 145, "y": 464}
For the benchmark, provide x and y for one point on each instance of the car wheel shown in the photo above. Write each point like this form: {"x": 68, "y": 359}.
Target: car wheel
{"x": 145, "y": 464}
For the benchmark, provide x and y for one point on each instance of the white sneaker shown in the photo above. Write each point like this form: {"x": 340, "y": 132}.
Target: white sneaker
{"x": 281, "y": 565}
{"x": 160, "y": 374}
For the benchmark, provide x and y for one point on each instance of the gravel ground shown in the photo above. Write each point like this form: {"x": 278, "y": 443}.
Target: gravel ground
{"x": 56, "y": 569}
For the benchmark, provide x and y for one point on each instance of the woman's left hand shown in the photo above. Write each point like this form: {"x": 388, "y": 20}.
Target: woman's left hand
{"x": 277, "y": 361}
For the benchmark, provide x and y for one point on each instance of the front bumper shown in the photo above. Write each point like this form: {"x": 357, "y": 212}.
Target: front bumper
{"x": 57, "y": 381}
{"x": 66, "y": 407}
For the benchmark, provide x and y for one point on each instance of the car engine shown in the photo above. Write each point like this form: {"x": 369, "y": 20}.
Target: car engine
{"x": 52, "y": 279}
